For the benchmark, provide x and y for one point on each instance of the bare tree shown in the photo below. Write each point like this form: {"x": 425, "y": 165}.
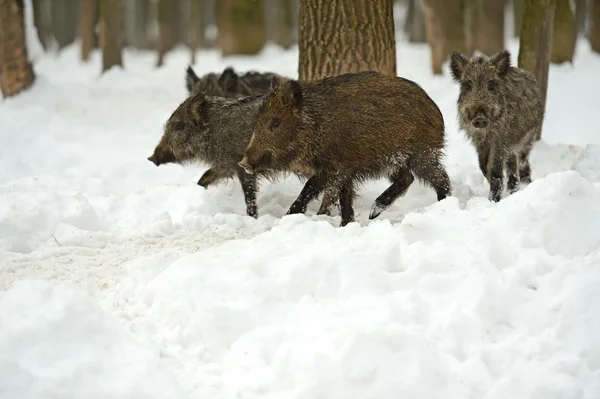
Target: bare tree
{"x": 165, "y": 29}
{"x": 42, "y": 19}
{"x": 565, "y": 32}
{"x": 580, "y": 15}
{"x": 595, "y": 25}
{"x": 112, "y": 33}
{"x": 487, "y": 25}
{"x": 16, "y": 72}
{"x": 196, "y": 28}
{"x": 327, "y": 48}
{"x": 284, "y": 23}
{"x": 536, "y": 41}
{"x": 64, "y": 21}
{"x": 241, "y": 26}
{"x": 445, "y": 28}
{"x": 518, "y": 16}
{"x": 414, "y": 26}
{"x": 88, "y": 15}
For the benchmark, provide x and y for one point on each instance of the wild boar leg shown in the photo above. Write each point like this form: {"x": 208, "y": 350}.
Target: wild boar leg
{"x": 401, "y": 181}
{"x": 512, "y": 170}
{"x": 313, "y": 187}
{"x": 210, "y": 177}
{"x": 496, "y": 175}
{"x": 346, "y": 200}
{"x": 248, "y": 182}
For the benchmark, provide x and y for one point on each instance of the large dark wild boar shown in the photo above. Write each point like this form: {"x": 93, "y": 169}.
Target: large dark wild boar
{"x": 215, "y": 131}
{"x": 348, "y": 128}
{"x": 231, "y": 85}
{"x": 500, "y": 109}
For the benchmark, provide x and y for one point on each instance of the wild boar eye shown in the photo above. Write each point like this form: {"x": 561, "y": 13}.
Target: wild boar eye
{"x": 178, "y": 125}
{"x": 467, "y": 86}
{"x": 274, "y": 123}
{"x": 492, "y": 86}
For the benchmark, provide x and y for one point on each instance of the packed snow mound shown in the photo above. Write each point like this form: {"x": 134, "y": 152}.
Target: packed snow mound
{"x": 55, "y": 342}
{"x": 449, "y": 303}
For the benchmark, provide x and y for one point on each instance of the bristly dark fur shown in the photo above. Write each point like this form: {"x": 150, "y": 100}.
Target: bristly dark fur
{"x": 214, "y": 131}
{"x": 501, "y": 112}
{"x": 231, "y": 85}
{"x": 349, "y": 128}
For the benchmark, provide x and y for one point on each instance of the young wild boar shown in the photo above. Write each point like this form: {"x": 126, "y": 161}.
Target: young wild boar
{"x": 348, "y": 128}
{"x": 231, "y": 85}
{"x": 500, "y": 109}
{"x": 215, "y": 131}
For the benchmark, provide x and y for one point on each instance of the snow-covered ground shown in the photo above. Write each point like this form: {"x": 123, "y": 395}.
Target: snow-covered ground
{"x": 119, "y": 279}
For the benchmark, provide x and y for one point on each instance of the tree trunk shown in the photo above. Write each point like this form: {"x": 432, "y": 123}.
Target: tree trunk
{"x": 87, "y": 27}
{"x": 565, "y": 33}
{"x": 42, "y": 19}
{"x": 342, "y": 36}
{"x": 196, "y": 28}
{"x": 445, "y": 29}
{"x": 165, "y": 31}
{"x": 64, "y": 21}
{"x": 518, "y": 16}
{"x": 284, "y": 24}
{"x": 489, "y": 37}
{"x": 414, "y": 26}
{"x": 16, "y": 72}
{"x": 536, "y": 41}
{"x": 241, "y": 26}
{"x": 595, "y": 25}
{"x": 580, "y": 14}
{"x": 112, "y": 33}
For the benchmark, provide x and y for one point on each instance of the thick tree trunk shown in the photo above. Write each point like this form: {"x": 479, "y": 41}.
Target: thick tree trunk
{"x": 489, "y": 37}
{"x": 112, "y": 33}
{"x": 595, "y": 25}
{"x": 536, "y": 41}
{"x": 565, "y": 33}
{"x": 241, "y": 26}
{"x": 518, "y": 16}
{"x": 16, "y": 72}
{"x": 414, "y": 26}
{"x": 196, "y": 28}
{"x": 88, "y": 14}
{"x": 445, "y": 28}
{"x": 137, "y": 13}
{"x": 284, "y": 23}
{"x": 342, "y": 36}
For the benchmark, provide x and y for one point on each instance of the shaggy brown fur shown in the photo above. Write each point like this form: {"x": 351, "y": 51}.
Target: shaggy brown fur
{"x": 349, "y": 128}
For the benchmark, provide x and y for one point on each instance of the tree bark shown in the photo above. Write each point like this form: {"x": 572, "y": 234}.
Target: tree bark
{"x": 536, "y": 41}
{"x": 489, "y": 37}
{"x": 64, "y": 21}
{"x": 518, "y": 16}
{"x": 165, "y": 31}
{"x": 241, "y": 26}
{"x": 42, "y": 20}
{"x": 594, "y": 16}
{"x": 112, "y": 33}
{"x": 414, "y": 27}
{"x": 445, "y": 29}
{"x": 284, "y": 24}
{"x": 580, "y": 16}
{"x": 16, "y": 72}
{"x": 88, "y": 14}
{"x": 196, "y": 28}
{"x": 342, "y": 36}
{"x": 565, "y": 33}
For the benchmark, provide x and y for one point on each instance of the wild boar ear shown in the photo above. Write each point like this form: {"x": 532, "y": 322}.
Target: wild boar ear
{"x": 501, "y": 61}
{"x": 274, "y": 82}
{"x": 190, "y": 79}
{"x": 457, "y": 65}
{"x": 295, "y": 94}
{"x": 229, "y": 80}
{"x": 199, "y": 105}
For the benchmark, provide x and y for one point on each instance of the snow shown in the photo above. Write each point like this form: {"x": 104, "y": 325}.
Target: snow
{"x": 120, "y": 279}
